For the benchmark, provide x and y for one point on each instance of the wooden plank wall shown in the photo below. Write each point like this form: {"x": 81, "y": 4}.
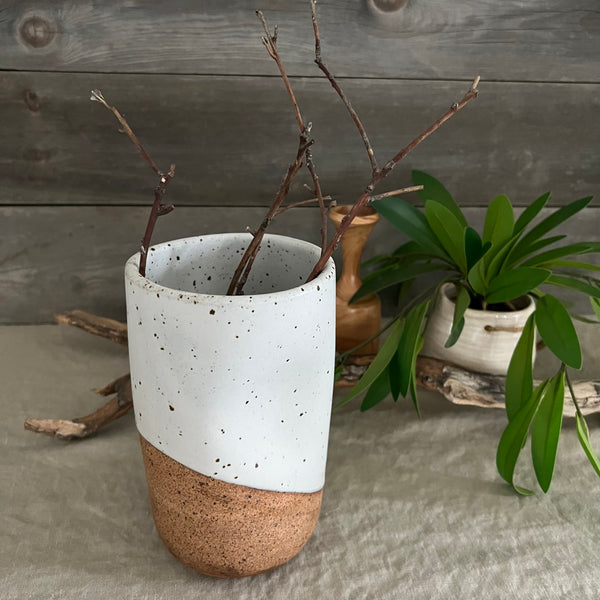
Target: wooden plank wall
{"x": 199, "y": 89}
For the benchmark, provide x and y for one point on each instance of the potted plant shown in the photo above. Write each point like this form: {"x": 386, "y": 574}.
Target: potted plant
{"x": 231, "y": 343}
{"x": 488, "y": 281}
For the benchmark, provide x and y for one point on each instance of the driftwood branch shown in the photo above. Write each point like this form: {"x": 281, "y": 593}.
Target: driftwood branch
{"x": 107, "y": 328}
{"x": 463, "y": 387}
{"x": 158, "y": 208}
{"x": 82, "y": 427}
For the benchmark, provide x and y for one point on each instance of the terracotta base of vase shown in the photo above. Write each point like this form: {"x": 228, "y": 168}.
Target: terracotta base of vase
{"x": 222, "y": 529}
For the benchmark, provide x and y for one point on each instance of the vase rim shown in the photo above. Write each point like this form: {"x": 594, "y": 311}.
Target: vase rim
{"x": 367, "y": 215}
{"x": 133, "y": 276}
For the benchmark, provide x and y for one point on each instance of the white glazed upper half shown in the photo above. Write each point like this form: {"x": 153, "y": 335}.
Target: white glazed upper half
{"x": 488, "y": 338}
{"x": 238, "y": 388}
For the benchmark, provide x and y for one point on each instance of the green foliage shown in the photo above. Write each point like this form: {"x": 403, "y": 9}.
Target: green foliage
{"x": 507, "y": 260}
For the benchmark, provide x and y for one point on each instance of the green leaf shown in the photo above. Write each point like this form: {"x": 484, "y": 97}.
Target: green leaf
{"x": 574, "y": 284}
{"x": 583, "y": 433}
{"x": 595, "y": 302}
{"x": 556, "y": 329}
{"x": 476, "y": 277}
{"x": 473, "y": 246}
{"x": 573, "y": 264}
{"x": 519, "y": 252}
{"x": 546, "y": 430}
{"x": 408, "y": 346}
{"x": 379, "y": 390}
{"x": 410, "y": 221}
{"x": 514, "y": 437}
{"x": 499, "y": 221}
{"x": 514, "y": 283}
{"x": 393, "y": 275}
{"x": 380, "y": 362}
{"x": 394, "y": 377}
{"x": 555, "y": 253}
{"x": 434, "y": 190}
{"x": 413, "y": 379}
{"x": 554, "y": 220}
{"x": 448, "y": 231}
{"x": 461, "y": 303}
{"x": 519, "y": 378}
{"x": 531, "y": 213}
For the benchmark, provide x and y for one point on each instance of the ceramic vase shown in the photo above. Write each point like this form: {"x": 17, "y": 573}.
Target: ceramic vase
{"x": 232, "y": 397}
{"x": 359, "y": 321}
{"x": 488, "y": 339}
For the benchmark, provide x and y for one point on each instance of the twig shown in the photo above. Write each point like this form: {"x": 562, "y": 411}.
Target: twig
{"x": 363, "y": 199}
{"x": 83, "y": 427}
{"x": 243, "y": 270}
{"x": 158, "y": 208}
{"x": 338, "y": 89}
{"x": 406, "y": 190}
{"x": 107, "y": 328}
{"x": 297, "y": 204}
{"x": 376, "y": 174}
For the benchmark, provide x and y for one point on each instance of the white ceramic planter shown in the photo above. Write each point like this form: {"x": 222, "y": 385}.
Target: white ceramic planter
{"x": 236, "y": 389}
{"x": 488, "y": 339}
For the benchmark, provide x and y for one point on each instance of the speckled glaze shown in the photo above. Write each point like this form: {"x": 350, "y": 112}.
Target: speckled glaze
{"x": 488, "y": 339}
{"x": 236, "y": 389}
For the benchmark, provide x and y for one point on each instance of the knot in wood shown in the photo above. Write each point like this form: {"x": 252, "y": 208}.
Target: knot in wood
{"x": 32, "y": 100}
{"x": 37, "y": 32}
{"x": 388, "y": 5}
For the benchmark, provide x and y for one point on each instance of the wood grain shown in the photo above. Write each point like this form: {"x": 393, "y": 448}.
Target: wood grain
{"x": 232, "y": 138}
{"x": 54, "y": 259}
{"x": 538, "y": 40}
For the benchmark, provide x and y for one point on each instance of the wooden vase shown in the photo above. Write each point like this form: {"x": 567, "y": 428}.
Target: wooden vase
{"x": 356, "y": 322}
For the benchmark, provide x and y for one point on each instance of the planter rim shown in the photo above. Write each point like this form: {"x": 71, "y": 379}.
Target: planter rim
{"x": 491, "y": 313}
{"x": 132, "y": 271}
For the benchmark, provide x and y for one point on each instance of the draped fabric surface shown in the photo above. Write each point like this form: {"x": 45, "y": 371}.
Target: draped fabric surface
{"x": 412, "y": 508}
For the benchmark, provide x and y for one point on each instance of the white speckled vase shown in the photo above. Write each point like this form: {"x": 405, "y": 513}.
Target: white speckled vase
{"x": 488, "y": 339}
{"x": 232, "y": 397}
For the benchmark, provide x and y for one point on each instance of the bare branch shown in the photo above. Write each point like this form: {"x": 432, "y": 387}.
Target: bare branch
{"x": 243, "y": 270}
{"x": 470, "y": 95}
{"x": 338, "y": 89}
{"x": 96, "y": 96}
{"x": 364, "y": 198}
{"x": 297, "y": 204}
{"x": 158, "y": 209}
{"x": 406, "y": 190}
{"x": 313, "y": 173}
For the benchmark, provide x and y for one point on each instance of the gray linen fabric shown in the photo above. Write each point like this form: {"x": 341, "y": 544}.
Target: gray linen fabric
{"x": 412, "y": 509}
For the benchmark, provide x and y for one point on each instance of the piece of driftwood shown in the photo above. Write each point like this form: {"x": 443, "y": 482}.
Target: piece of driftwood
{"x": 460, "y": 386}
{"x": 457, "y": 385}
{"x": 82, "y": 427}
{"x": 108, "y": 328}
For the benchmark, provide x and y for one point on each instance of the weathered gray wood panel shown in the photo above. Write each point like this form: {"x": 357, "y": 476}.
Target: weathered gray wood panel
{"x": 232, "y": 138}
{"x": 538, "y": 40}
{"x": 54, "y": 259}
